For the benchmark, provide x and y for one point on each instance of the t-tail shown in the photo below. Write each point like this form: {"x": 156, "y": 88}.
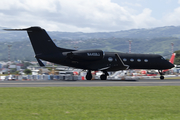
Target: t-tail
{"x": 41, "y": 42}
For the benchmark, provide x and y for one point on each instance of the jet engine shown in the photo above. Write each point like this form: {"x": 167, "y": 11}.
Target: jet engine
{"x": 86, "y": 55}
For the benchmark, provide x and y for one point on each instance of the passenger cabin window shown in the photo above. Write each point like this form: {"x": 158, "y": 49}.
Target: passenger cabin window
{"x": 139, "y": 60}
{"x": 110, "y": 59}
{"x": 145, "y": 60}
{"x": 124, "y": 59}
{"x": 132, "y": 60}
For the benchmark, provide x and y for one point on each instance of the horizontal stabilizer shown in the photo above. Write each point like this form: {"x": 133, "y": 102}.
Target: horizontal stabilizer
{"x": 40, "y": 62}
{"x": 14, "y": 29}
{"x": 26, "y": 29}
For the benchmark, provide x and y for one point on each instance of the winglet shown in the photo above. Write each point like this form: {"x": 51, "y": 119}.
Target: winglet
{"x": 172, "y": 58}
{"x": 40, "y": 62}
{"x": 120, "y": 62}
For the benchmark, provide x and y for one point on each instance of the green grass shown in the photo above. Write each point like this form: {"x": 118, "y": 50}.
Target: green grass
{"x": 90, "y": 103}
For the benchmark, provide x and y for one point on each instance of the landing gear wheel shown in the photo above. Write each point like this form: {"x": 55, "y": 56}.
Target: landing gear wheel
{"x": 89, "y": 75}
{"x": 103, "y": 77}
{"x": 162, "y": 77}
{"x": 161, "y": 73}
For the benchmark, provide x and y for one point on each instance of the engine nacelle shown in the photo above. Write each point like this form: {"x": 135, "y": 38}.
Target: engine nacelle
{"x": 86, "y": 55}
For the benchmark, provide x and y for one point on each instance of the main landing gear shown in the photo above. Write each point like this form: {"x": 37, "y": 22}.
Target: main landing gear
{"x": 102, "y": 77}
{"x": 161, "y": 74}
{"x": 89, "y": 75}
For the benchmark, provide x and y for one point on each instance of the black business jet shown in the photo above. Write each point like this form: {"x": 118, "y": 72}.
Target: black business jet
{"x": 91, "y": 60}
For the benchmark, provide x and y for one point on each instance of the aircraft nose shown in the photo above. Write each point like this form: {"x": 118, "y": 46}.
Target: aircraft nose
{"x": 166, "y": 65}
{"x": 171, "y": 65}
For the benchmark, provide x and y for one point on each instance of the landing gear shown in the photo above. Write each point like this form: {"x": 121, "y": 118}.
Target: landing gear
{"x": 161, "y": 73}
{"x": 104, "y": 75}
{"x": 162, "y": 77}
{"x": 89, "y": 75}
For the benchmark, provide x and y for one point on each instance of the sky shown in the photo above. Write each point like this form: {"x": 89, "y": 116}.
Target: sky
{"x": 89, "y": 15}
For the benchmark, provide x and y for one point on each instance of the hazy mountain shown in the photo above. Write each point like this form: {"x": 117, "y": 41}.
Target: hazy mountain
{"x": 170, "y": 31}
{"x": 156, "y": 40}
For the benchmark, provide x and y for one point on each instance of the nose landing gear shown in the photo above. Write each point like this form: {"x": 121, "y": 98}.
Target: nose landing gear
{"x": 161, "y": 74}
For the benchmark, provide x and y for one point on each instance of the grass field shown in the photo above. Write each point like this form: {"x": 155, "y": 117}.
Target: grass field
{"x": 90, "y": 103}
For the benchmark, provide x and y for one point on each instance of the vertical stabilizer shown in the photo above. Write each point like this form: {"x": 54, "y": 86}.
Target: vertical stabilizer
{"x": 41, "y": 42}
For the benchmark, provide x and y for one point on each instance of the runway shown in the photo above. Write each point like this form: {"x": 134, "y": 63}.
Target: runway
{"x": 92, "y": 83}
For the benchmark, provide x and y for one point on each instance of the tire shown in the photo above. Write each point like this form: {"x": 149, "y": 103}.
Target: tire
{"x": 103, "y": 77}
{"x": 88, "y": 76}
{"x": 162, "y": 77}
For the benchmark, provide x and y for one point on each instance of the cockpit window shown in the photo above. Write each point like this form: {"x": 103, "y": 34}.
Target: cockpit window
{"x": 162, "y": 58}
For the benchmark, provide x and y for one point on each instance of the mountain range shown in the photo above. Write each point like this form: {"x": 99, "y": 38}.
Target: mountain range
{"x": 155, "y": 40}
{"x": 167, "y": 31}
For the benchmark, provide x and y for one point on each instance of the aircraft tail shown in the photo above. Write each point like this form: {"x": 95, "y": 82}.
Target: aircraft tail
{"x": 40, "y": 40}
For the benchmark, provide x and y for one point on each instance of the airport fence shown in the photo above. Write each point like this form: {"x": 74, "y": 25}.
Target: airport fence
{"x": 41, "y": 77}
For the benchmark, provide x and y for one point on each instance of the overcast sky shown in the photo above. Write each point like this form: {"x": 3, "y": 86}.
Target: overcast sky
{"x": 89, "y": 15}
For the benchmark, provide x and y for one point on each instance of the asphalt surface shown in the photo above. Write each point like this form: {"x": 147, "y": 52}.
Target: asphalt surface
{"x": 85, "y": 83}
